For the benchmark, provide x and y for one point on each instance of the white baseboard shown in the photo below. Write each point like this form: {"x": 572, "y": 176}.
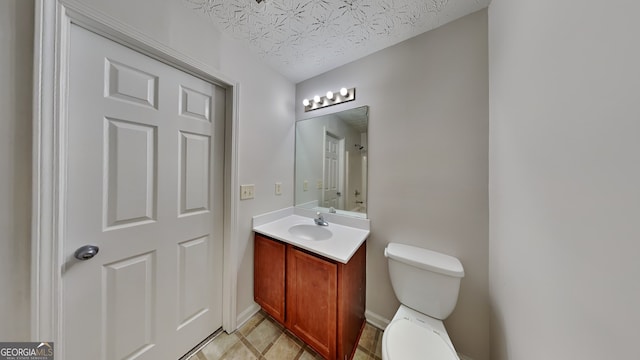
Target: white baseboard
{"x": 376, "y": 320}
{"x": 244, "y": 316}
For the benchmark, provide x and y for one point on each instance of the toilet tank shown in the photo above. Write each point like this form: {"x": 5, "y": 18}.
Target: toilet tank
{"x": 424, "y": 280}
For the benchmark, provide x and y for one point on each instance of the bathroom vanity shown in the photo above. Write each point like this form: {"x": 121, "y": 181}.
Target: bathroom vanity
{"x": 319, "y": 298}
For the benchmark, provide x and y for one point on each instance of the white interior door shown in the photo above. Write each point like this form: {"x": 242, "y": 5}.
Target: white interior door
{"x": 332, "y": 168}
{"x": 145, "y": 146}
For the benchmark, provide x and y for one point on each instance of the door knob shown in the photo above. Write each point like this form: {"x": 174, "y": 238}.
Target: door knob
{"x": 86, "y": 252}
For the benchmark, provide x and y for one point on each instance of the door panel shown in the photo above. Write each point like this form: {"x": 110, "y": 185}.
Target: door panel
{"x": 145, "y": 145}
{"x": 195, "y": 104}
{"x": 192, "y": 296}
{"x": 129, "y": 291}
{"x": 194, "y": 173}
{"x": 129, "y": 162}
{"x": 129, "y": 84}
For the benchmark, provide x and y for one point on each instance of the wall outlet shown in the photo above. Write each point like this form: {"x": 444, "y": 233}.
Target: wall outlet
{"x": 247, "y": 191}
{"x": 278, "y": 188}
{"x": 305, "y": 185}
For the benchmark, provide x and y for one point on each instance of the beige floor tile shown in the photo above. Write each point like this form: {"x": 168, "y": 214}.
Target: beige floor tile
{"x": 197, "y": 356}
{"x": 306, "y": 355}
{"x": 361, "y": 355}
{"x": 215, "y": 349}
{"x": 311, "y": 354}
{"x": 378, "y": 352}
{"x": 263, "y": 335}
{"x": 368, "y": 338}
{"x": 239, "y": 352}
{"x": 251, "y": 323}
{"x": 284, "y": 348}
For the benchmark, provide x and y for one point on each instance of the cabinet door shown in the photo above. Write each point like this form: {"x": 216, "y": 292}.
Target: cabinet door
{"x": 268, "y": 276}
{"x": 312, "y": 300}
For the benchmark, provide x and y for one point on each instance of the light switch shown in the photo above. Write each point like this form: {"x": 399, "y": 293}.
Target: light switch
{"x": 319, "y": 184}
{"x": 305, "y": 185}
{"x": 278, "y": 188}
{"x": 247, "y": 191}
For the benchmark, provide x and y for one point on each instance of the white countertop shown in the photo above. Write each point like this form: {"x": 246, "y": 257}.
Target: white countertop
{"x": 340, "y": 247}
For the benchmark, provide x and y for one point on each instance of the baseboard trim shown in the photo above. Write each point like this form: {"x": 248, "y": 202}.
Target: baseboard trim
{"x": 376, "y": 320}
{"x": 244, "y": 316}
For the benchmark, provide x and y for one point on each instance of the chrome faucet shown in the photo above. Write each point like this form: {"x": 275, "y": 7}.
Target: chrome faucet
{"x": 319, "y": 220}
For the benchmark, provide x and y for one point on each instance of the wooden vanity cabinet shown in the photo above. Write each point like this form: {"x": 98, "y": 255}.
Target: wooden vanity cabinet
{"x": 269, "y": 276}
{"x": 324, "y": 300}
{"x": 312, "y": 290}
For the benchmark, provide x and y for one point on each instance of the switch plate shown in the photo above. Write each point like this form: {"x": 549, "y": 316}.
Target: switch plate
{"x": 278, "y": 188}
{"x": 247, "y": 191}
{"x": 319, "y": 184}
{"x": 305, "y": 185}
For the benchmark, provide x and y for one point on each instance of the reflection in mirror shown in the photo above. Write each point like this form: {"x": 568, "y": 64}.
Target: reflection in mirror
{"x": 331, "y": 162}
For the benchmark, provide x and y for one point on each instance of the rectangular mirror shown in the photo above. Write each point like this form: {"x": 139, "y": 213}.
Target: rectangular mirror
{"x": 331, "y": 163}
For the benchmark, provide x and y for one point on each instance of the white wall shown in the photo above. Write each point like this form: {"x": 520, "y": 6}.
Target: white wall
{"x": 564, "y": 179}
{"x": 428, "y": 160}
{"x": 16, "y": 54}
{"x": 266, "y": 136}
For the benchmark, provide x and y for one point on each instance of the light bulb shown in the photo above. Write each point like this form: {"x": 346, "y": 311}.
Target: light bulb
{"x": 344, "y": 91}
{"x": 317, "y": 99}
{"x": 305, "y": 102}
{"x": 330, "y": 95}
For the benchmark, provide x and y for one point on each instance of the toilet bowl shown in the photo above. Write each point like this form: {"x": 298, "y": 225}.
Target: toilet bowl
{"x": 427, "y": 284}
{"x": 412, "y": 336}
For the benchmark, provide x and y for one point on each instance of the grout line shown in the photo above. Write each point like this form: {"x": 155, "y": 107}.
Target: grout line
{"x": 244, "y": 341}
{"x": 270, "y": 345}
{"x": 299, "y": 354}
{"x": 250, "y": 346}
{"x": 254, "y": 326}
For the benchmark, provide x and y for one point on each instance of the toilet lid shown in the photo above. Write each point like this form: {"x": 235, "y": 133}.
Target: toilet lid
{"x": 405, "y": 340}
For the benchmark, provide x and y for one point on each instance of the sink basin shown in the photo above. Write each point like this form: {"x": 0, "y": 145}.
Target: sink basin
{"x": 310, "y": 232}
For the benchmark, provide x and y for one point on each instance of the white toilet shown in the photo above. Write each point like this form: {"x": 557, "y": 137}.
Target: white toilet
{"x": 427, "y": 285}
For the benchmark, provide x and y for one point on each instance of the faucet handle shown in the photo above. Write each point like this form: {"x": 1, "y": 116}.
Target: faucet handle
{"x": 320, "y": 220}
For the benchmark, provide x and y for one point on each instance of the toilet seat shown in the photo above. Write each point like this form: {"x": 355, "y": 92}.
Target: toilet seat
{"x": 405, "y": 340}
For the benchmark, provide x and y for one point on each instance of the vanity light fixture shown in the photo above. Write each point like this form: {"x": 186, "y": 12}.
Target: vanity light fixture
{"x": 331, "y": 98}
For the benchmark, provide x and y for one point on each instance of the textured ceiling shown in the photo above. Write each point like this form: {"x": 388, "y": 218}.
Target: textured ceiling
{"x": 304, "y": 38}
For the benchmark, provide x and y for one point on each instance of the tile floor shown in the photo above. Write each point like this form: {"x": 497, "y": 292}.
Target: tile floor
{"x": 261, "y": 338}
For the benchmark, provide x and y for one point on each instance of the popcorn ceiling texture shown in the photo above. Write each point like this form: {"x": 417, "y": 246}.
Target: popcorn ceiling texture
{"x": 304, "y": 38}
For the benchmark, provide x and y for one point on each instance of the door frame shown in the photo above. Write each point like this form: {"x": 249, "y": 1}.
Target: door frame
{"x": 53, "y": 19}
